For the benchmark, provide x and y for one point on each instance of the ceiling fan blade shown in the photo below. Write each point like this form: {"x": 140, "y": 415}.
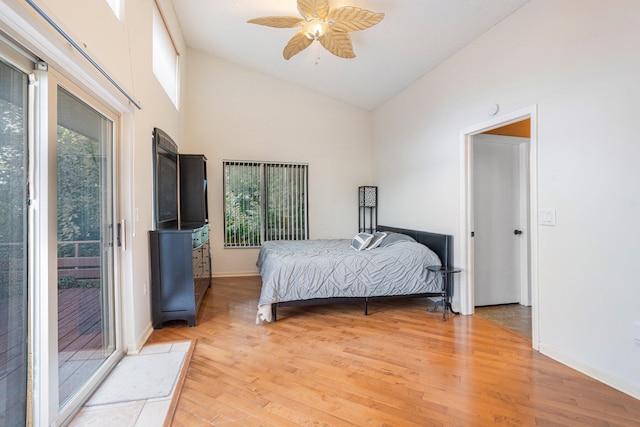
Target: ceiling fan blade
{"x": 308, "y": 8}
{"x": 298, "y": 43}
{"x": 351, "y": 18}
{"x": 338, "y": 43}
{"x": 277, "y": 21}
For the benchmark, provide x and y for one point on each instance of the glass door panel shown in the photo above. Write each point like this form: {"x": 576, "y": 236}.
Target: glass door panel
{"x": 85, "y": 246}
{"x": 13, "y": 246}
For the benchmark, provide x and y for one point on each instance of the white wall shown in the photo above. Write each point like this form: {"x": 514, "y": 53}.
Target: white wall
{"x": 579, "y": 61}
{"x": 235, "y": 113}
{"x": 123, "y": 49}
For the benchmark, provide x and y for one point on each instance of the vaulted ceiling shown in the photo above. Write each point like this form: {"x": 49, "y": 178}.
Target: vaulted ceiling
{"x": 413, "y": 38}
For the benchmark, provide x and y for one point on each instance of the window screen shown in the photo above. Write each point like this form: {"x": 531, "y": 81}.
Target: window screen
{"x": 264, "y": 201}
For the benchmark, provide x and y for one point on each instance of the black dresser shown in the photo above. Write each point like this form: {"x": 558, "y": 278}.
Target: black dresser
{"x": 180, "y": 273}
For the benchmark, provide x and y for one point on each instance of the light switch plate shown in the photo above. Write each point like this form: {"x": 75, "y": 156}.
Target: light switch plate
{"x": 636, "y": 333}
{"x": 547, "y": 217}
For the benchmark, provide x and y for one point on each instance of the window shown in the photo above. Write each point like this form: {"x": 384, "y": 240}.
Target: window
{"x": 116, "y": 6}
{"x": 165, "y": 57}
{"x": 264, "y": 201}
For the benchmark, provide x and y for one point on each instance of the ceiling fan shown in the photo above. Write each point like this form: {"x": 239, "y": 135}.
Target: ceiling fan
{"x": 331, "y": 27}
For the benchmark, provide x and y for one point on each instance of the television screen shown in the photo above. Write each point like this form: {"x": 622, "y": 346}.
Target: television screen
{"x": 167, "y": 188}
{"x": 165, "y": 180}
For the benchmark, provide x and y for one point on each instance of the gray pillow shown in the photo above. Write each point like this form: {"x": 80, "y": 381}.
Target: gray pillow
{"x": 360, "y": 241}
{"x": 393, "y": 238}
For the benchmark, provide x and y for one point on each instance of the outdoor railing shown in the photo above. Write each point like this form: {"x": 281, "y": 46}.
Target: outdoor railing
{"x": 76, "y": 266}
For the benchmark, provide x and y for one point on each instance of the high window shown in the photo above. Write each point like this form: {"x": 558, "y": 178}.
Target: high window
{"x": 165, "y": 56}
{"x": 116, "y": 6}
{"x": 264, "y": 201}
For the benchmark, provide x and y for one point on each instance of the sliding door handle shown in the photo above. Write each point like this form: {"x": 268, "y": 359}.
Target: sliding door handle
{"x": 122, "y": 235}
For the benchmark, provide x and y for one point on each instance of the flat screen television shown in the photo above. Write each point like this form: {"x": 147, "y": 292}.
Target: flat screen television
{"x": 165, "y": 173}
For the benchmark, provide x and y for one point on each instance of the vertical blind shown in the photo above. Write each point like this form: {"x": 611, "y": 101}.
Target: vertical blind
{"x": 264, "y": 201}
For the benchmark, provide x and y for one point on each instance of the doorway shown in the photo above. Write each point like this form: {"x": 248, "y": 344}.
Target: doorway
{"x": 499, "y": 244}
{"x": 500, "y": 216}
{"x": 500, "y": 232}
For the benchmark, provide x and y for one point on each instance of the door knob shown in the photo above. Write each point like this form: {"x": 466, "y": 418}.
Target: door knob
{"x": 516, "y": 232}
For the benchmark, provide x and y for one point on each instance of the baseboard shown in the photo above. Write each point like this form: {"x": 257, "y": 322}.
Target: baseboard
{"x": 140, "y": 342}
{"x": 614, "y": 381}
{"x": 236, "y": 274}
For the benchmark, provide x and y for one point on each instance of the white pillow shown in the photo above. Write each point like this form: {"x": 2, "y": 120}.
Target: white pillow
{"x": 376, "y": 240}
{"x": 360, "y": 241}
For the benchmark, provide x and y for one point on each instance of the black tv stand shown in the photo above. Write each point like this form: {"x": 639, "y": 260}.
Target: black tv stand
{"x": 180, "y": 273}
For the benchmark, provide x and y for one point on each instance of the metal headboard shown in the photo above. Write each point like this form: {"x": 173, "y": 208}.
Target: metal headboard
{"x": 441, "y": 244}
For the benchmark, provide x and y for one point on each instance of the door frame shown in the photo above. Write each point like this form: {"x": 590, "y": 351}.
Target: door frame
{"x": 466, "y": 218}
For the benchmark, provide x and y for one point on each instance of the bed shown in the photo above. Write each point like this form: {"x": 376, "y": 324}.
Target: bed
{"x": 311, "y": 272}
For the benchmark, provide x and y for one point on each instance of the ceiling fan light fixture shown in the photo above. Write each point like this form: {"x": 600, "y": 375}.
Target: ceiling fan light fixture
{"x": 315, "y": 28}
{"x": 330, "y": 27}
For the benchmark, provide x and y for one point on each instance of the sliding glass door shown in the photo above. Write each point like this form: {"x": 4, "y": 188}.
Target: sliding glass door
{"x": 58, "y": 299}
{"x": 13, "y": 246}
{"x": 85, "y": 246}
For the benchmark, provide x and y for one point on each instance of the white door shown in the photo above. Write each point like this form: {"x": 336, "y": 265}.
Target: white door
{"x": 497, "y": 219}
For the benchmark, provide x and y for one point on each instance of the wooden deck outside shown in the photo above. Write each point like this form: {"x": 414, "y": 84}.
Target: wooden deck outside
{"x": 13, "y": 371}
{"x": 80, "y": 342}
{"x": 399, "y": 366}
{"x": 80, "y": 338}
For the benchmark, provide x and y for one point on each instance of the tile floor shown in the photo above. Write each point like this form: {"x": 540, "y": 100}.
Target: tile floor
{"x": 514, "y": 317}
{"x": 139, "y": 391}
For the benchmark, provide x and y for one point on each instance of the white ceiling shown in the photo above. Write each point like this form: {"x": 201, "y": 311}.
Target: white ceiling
{"x": 413, "y": 38}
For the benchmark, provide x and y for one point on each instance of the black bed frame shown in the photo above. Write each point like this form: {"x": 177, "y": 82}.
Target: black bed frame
{"x": 441, "y": 244}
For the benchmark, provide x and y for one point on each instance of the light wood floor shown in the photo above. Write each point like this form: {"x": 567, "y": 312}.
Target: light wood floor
{"x": 399, "y": 366}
